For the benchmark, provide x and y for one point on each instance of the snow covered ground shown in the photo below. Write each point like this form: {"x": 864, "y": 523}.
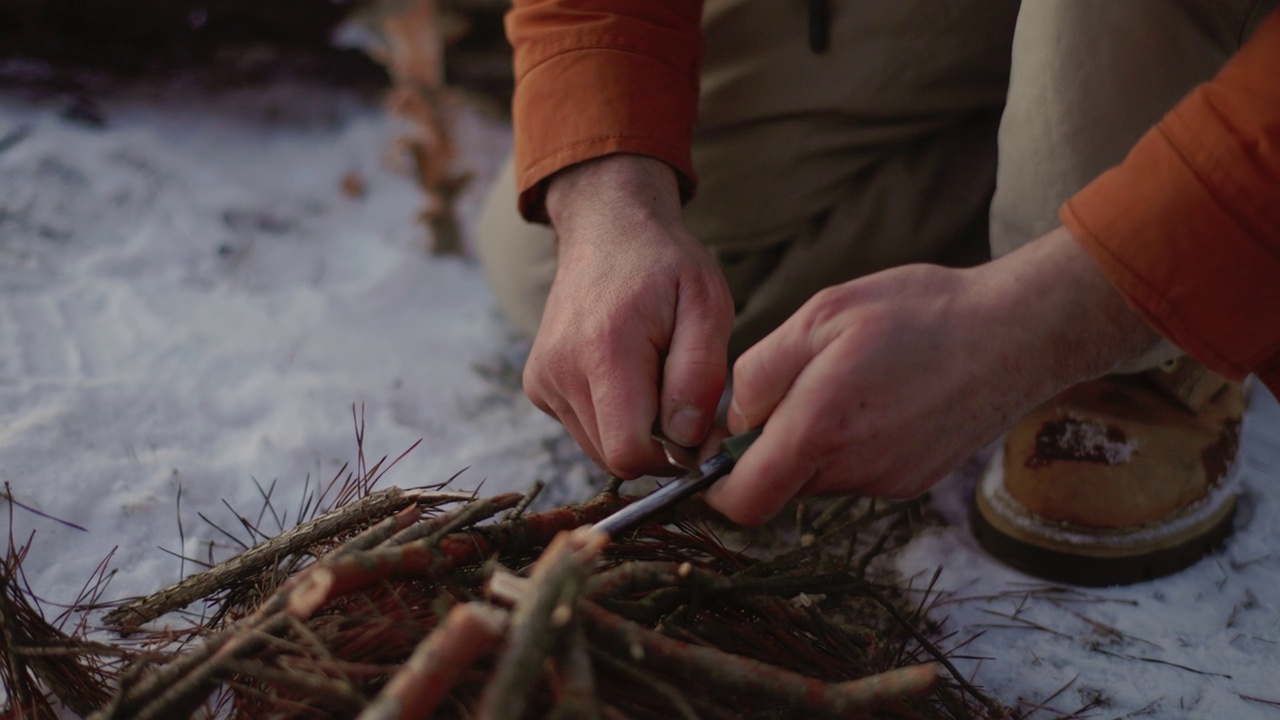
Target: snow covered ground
{"x": 189, "y": 301}
{"x": 1203, "y": 643}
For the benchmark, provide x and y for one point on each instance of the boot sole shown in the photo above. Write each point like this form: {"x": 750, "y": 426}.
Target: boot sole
{"x": 1081, "y": 555}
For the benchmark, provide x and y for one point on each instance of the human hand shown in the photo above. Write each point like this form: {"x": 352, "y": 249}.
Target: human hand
{"x": 882, "y": 385}
{"x": 636, "y": 327}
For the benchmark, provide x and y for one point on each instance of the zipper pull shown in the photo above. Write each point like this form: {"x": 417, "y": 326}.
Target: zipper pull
{"x": 819, "y": 25}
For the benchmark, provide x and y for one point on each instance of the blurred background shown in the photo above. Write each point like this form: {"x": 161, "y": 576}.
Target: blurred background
{"x": 248, "y": 39}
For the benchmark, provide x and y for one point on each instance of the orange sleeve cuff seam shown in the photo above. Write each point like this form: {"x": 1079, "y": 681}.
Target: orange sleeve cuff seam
{"x": 596, "y": 41}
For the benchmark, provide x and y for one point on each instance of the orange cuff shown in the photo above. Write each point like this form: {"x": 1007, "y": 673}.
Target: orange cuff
{"x": 597, "y": 77}
{"x": 624, "y": 103}
{"x": 1182, "y": 258}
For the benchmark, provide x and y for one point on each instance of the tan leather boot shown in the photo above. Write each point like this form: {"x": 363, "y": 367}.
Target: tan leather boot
{"x": 1116, "y": 480}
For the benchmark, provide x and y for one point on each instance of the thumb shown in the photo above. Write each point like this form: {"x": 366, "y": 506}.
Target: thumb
{"x": 693, "y": 374}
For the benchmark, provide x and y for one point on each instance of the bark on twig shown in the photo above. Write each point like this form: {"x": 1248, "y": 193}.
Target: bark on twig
{"x": 128, "y": 617}
{"x": 468, "y": 633}
{"x": 577, "y": 689}
{"x": 335, "y": 690}
{"x": 672, "y": 694}
{"x": 470, "y": 514}
{"x": 640, "y": 576}
{"x": 529, "y": 497}
{"x": 737, "y": 674}
{"x": 555, "y": 582}
{"x": 420, "y": 559}
{"x": 181, "y": 691}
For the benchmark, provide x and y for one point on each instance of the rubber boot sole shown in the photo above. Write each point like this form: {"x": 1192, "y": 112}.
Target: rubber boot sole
{"x": 1081, "y": 555}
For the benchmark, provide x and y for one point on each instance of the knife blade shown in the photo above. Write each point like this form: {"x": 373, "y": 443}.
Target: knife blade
{"x": 711, "y": 470}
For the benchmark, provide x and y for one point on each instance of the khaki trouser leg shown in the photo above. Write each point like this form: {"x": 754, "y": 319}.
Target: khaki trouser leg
{"x": 815, "y": 169}
{"x": 1089, "y": 78}
{"x": 518, "y": 257}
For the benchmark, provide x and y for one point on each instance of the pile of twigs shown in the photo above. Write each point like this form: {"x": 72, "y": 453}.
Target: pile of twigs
{"x": 38, "y": 659}
{"x": 414, "y": 604}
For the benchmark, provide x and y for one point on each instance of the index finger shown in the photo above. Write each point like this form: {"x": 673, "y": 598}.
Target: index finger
{"x": 625, "y": 404}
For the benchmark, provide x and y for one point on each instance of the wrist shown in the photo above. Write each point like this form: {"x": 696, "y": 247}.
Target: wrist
{"x": 1073, "y": 321}
{"x": 619, "y": 190}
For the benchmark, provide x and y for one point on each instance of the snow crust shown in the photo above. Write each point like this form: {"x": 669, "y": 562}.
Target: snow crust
{"x": 188, "y": 301}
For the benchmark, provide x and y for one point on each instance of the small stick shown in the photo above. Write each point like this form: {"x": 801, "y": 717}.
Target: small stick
{"x": 267, "y": 615}
{"x": 375, "y": 535}
{"x": 534, "y": 492}
{"x": 672, "y": 694}
{"x": 420, "y": 559}
{"x": 468, "y": 632}
{"x": 332, "y": 689}
{"x": 505, "y": 587}
{"x": 638, "y": 577}
{"x": 641, "y": 576}
{"x": 835, "y": 510}
{"x": 310, "y": 589}
{"x": 577, "y": 694}
{"x": 467, "y": 515}
{"x": 864, "y": 562}
{"x": 555, "y": 582}
{"x": 190, "y": 689}
{"x": 128, "y": 617}
{"x": 737, "y": 674}
{"x": 201, "y": 663}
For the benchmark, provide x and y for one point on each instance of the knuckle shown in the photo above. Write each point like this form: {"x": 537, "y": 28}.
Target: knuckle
{"x": 533, "y": 389}
{"x": 626, "y": 465}
{"x": 626, "y": 457}
{"x": 713, "y": 290}
{"x": 823, "y": 308}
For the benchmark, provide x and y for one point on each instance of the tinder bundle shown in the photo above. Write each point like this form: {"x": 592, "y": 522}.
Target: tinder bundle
{"x": 429, "y": 603}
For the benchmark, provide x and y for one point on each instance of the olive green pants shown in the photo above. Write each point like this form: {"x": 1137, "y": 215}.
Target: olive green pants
{"x": 930, "y": 131}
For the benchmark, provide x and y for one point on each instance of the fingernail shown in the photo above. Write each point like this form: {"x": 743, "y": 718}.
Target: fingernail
{"x": 687, "y": 426}
{"x": 737, "y": 421}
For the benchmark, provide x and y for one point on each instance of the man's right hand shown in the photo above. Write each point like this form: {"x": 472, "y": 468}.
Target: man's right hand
{"x": 636, "y": 327}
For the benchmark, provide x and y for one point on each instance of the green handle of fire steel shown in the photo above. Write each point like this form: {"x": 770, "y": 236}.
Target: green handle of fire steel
{"x": 736, "y": 445}
{"x": 731, "y": 448}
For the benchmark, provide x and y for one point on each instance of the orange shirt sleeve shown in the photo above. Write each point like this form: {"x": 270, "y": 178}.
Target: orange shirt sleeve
{"x": 1188, "y": 226}
{"x": 596, "y": 77}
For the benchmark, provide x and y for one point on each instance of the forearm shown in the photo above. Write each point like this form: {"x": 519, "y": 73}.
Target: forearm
{"x": 1072, "y": 322}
